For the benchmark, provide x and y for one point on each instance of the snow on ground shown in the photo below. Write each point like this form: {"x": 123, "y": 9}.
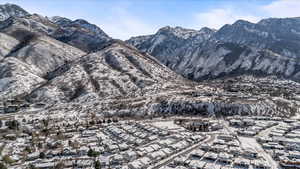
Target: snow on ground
{"x": 170, "y": 125}
{"x": 251, "y": 143}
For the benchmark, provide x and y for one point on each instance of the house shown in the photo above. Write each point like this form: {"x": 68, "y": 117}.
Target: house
{"x": 117, "y": 159}
{"x": 84, "y": 163}
{"x": 69, "y": 152}
{"x": 145, "y": 160}
{"x": 211, "y": 156}
{"x": 157, "y": 155}
{"x": 2, "y": 109}
{"x": 205, "y": 147}
{"x": 136, "y": 165}
{"x": 11, "y": 109}
{"x": 260, "y": 164}
{"x": 46, "y": 165}
{"x": 123, "y": 147}
{"x": 83, "y": 150}
{"x": 197, "y": 153}
{"x": 218, "y": 148}
{"x": 225, "y": 158}
{"x": 250, "y": 153}
{"x": 113, "y": 148}
{"x": 234, "y": 150}
{"x": 167, "y": 151}
{"x": 211, "y": 166}
{"x": 104, "y": 160}
{"x": 88, "y": 133}
{"x": 226, "y": 137}
{"x": 130, "y": 155}
{"x": 181, "y": 160}
{"x": 242, "y": 162}
{"x": 294, "y": 154}
{"x": 33, "y": 156}
{"x": 235, "y": 122}
{"x": 202, "y": 126}
{"x": 196, "y": 164}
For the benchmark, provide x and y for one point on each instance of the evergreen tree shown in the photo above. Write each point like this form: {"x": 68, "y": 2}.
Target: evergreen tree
{"x": 2, "y": 166}
{"x": 97, "y": 164}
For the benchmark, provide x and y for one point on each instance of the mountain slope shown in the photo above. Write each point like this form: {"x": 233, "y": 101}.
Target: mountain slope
{"x": 266, "y": 48}
{"x": 79, "y": 33}
{"x": 116, "y": 71}
{"x": 7, "y": 43}
{"x": 281, "y": 35}
{"x": 29, "y": 61}
{"x": 8, "y": 10}
{"x": 52, "y": 70}
{"x": 169, "y": 45}
{"x": 39, "y": 62}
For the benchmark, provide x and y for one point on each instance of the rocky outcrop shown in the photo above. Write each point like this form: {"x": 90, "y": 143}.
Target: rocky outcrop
{"x": 79, "y": 33}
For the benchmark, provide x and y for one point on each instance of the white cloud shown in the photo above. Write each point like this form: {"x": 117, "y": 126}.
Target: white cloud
{"x": 123, "y": 25}
{"x": 216, "y": 18}
{"x": 283, "y": 8}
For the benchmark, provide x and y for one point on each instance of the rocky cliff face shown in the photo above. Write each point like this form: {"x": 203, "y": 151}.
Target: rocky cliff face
{"x": 79, "y": 33}
{"x": 266, "y": 48}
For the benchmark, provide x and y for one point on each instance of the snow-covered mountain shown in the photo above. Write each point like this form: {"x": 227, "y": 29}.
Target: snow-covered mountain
{"x": 76, "y": 65}
{"x": 8, "y": 10}
{"x": 270, "y": 47}
{"x": 79, "y": 33}
{"x": 44, "y": 59}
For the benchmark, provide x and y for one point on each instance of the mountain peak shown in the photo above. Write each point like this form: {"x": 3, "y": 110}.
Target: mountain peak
{"x": 178, "y": 31}
{"x": 177, "y": 28}
{"x": 8, "y": 10}
{"x": 207, "y": 30}
{"x": 60, "y": 20}
{"x": 242, "y": 22}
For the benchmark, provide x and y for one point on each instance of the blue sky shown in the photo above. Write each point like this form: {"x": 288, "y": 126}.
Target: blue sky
{"x": 125, "y": 18}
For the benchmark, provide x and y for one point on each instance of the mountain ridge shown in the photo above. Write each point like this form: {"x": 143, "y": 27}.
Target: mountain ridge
{"x": 192, "y": 58}
{"x": 47, "y": 61}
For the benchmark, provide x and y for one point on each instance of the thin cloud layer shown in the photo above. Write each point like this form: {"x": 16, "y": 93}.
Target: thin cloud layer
{"x": 283, "y": 8}
{"x": 124, "y": 25}
{"x": 216, "y": 18}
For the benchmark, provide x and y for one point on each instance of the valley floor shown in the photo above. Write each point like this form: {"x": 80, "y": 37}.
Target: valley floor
{"x": 75, "y": 140}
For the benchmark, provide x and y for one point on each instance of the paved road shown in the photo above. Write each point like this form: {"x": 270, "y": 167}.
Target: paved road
{"x": 185, "y": 151}
{"x": 267, "y": 131}
{"x": 248, "y": 142}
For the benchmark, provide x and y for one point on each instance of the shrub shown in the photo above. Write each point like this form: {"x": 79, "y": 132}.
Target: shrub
{"x": 8, "y": 160}
{"x": 2, "y": 166}
{"x": 92, "y": 153}
{"x": 42, "y": 155}
{"x": 97, "y": 164}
